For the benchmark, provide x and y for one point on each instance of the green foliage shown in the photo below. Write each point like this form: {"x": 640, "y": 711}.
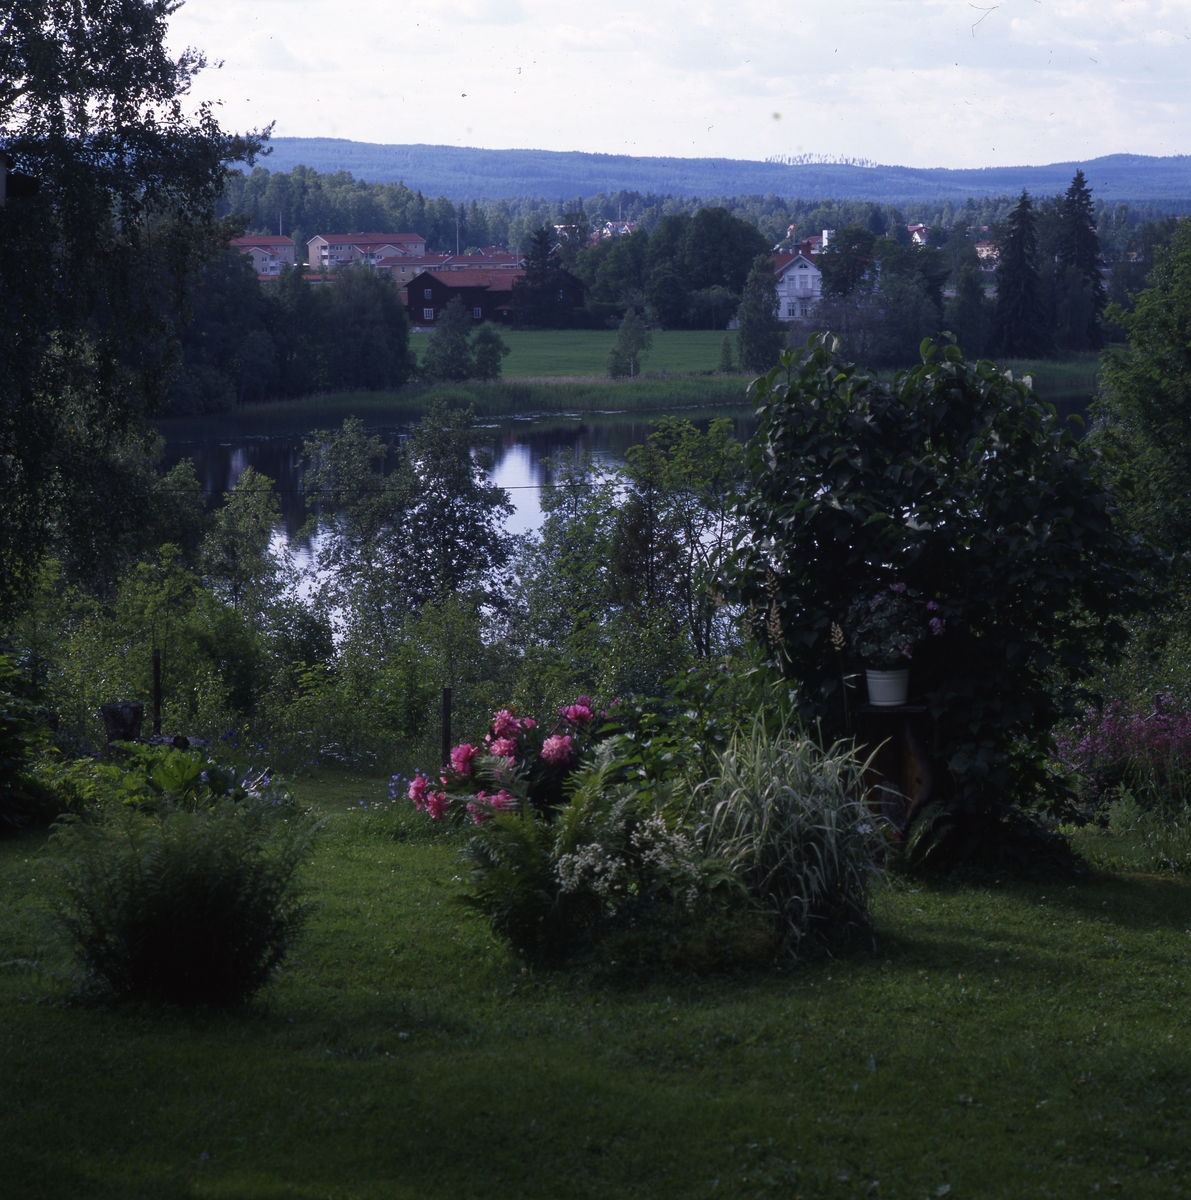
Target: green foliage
{"x": 727, "y": 363}
{"x": 969, "y": 315}
{"x": 538, "y": 297}
{"x": 185, "y": 908}
{"x": 848, "y": 261}
{"x": 790, "y": 821}
{"x": 236, "y": 558}
{"x": 959, "y": 482}
{"x": 23, "y": 802}
{"x": 448, "y": 355}
{"x": 489, "y": 350}
{"x": 92, "y": 106}
{"x": 1144, "y": 406}
{"x": 394, "y": 542}
{"x": 550, "y": 886}
{"x": 760, "y": 334}
{"x": 1021, "y": 328}
{"x": 633, "y": 341}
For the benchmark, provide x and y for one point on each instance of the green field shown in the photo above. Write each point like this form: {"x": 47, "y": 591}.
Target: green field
{"x": 583, "y": 353}
{"x": 1002, "y": 1040}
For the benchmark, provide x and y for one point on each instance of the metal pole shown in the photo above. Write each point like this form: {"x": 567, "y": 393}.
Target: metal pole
{"x": 157, "y": 692}
{"x": 446, "y": 727}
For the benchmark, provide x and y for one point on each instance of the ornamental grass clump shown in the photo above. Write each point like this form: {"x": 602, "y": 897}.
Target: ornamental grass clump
{"x": 790, "y": 820}
{"x": 178, "y": 907}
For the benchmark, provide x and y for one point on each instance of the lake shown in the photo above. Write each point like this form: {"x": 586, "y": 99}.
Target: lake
{"x": 521, "y": 447}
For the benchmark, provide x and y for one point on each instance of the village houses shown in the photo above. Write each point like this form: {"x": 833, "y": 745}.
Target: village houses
{"x": 269, "y": 252}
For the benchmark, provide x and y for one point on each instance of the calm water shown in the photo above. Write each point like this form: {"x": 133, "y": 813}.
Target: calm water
{"x": 520, "y": 447}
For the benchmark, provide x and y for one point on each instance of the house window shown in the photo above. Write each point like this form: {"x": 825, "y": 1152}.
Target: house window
{"x": 477, "y": 313}
{"x": 427, "y": 314}
{"x": 791, "y": 310}
{"x": 560, "y": 293}
{"x": 428, "y": 293}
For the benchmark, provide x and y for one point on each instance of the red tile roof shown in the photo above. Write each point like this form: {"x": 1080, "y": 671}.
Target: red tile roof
{"x": 496, "y": 279}
{"x": 264, "y": 239}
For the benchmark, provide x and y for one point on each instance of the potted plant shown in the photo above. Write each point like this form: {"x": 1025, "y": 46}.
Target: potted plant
{"x": 885, "y": 624}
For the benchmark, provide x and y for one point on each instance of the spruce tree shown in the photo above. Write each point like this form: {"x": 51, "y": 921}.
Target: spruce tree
{"x": 536, "y": 295}
{"x": 1021, "y": 327}
{"x": 759, "y": 338}
{"x": 1078, "y": 255}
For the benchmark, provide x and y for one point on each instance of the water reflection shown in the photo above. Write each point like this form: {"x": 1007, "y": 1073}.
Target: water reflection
{"x": 521, "y": 448}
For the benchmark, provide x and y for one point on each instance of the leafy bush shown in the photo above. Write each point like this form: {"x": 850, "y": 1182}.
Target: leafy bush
{"x": 960, "y": 482}
{"x": 790, "y": 821}
{"x": 181, "y": 908}
{"x": 24, "y": 801}
{"x": 611, "y": 854}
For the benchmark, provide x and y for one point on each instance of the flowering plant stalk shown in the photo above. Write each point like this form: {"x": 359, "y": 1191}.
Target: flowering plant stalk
{"x": 518, "y": 762}
{"x": 885, "y": 624}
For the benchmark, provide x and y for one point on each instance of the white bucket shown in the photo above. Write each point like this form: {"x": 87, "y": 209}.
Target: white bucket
{"x": 887, "y": 689}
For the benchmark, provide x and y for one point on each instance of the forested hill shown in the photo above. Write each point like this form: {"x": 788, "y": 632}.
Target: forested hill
{"x": 464, "y": 173}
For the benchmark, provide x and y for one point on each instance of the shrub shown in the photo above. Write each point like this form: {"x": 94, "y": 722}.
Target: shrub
{"x": 611, "y": 857}
{"x": 963, "y": 484}
{"x": 180, "y": 908}
{"x": 24, "y": 800}
{"x": 789, "y": 819}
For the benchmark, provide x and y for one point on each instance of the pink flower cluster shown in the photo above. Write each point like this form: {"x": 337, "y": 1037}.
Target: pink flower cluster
{"x": 485, "y": 804}
{"x": 578, "y": 713}
{"x": 1114, "y": 738}
{"x": 430, "y": 800}
{"x": 461, "y": 758}
{"x": 557, "y": 750}
{"x": 502, "y": 741}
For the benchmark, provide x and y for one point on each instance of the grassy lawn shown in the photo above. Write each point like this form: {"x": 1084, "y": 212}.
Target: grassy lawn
{"x": 998, "y": 1041}
{"x": 582, "y": 353}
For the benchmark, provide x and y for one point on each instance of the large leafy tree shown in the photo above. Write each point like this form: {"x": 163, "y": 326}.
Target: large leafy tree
{"x": 95, "y": 262}
{"x": 432, "y": 526}
{"x": 962, "y": 484}
{"x": 1022, "y": 327}
{"x": 1144, "y": 407}
{"x": 760, "y": 335}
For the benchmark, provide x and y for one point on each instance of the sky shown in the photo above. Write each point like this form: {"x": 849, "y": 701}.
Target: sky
{"x": 918, "y": 83}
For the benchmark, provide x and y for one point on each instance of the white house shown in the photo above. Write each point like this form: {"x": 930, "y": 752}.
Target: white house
{"x": 268, "y": 252}
{"x": 325, "y": 251}
{"x": 799, "y": 285}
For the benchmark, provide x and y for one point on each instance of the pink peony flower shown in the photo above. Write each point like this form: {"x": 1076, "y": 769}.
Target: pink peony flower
{"x": 504, "y": 724}
{"x": 485, "y": 805}
{"x": 502, "y": 801}
{"x": 417, "y": 790}
{"x": 461, "y": 758}
{"x": 577, "y": 714}
{"x": 437, "y": 804}
{"x": 557, "y": 749}
{"x": 504, "y": 747}
{"x": 526, "y": 723}
{"x": 584, "y": 700}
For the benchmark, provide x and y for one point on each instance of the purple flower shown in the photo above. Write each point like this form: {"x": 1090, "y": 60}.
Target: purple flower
{"x": 899, "y": 588}
{"x": 936, "y": 625}
{"x": 931, "y": 606}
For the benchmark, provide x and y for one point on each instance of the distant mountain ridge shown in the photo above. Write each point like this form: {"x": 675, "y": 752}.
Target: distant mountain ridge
{"x": 466, "y": 173}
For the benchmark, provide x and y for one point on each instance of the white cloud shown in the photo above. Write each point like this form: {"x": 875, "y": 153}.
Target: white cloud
{"x": 921, "y": 82}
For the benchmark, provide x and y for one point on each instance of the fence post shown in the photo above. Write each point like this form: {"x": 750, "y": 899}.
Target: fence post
{"x": 446, "y": 727}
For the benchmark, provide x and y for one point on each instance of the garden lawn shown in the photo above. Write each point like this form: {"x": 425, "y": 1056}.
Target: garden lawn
{"x": 584, "y": 352}
{"x": 999, "y": 1041}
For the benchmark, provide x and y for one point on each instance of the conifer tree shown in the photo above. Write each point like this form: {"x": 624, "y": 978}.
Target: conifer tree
{"x": 1021, "y": 327}
{"x": 1078, "y": 253}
